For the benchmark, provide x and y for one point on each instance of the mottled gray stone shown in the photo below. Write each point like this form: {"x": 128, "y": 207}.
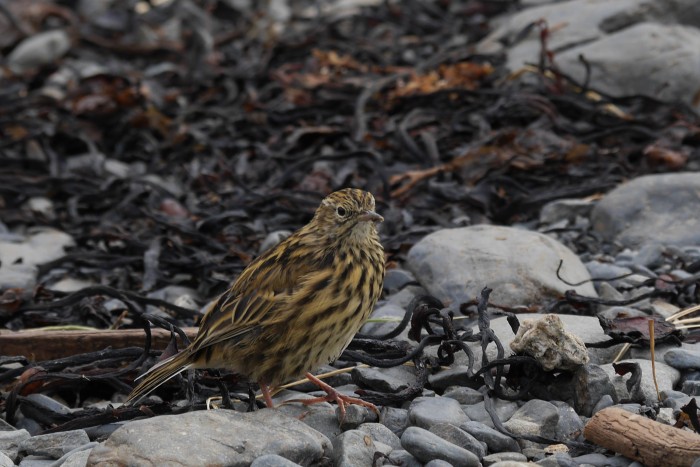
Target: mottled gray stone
{"x": 568, "y": 209}
{"x": 570, "y": 425}
{"x": 682, "y": 359}
{"x": 395, "y": 419}
{"x": 535, "y": 418}
{"x": 495, "y": 440}
{"x": 404, "y": 458}
{"x": 477, "y": 412}
{"x": 492, "y": 459}
{"x": 456, "y": 375}
{"x": 381, "y": 434}
{"x": 392, "y": 379}
{"x": 605, "y": 401}
{"x": 221, "y": 437}
{"x": 455, "y": 264}
{"x": 355, "y": 415}
{"x": 353, "y": 448}
{"x": 77, "y": 459}
{"x": 427, "y": 411}
{"x": 272, "y": 460}
{"x": 651, "y": 209}
{"x": 10, "y": 441}
{"x": 54, "y": 445}
{"x": 463, "y": 395}
{"x": 5, "y": 461}
{"x": 438, "y": 463}
{"x": 666, "y": 376}
{"x": 591, "y": 383}
{"x": 39, "y": 49}
{"x": 426, "y": 446}
{"x": 321, "y": 417}
{"x": 396, "y": 279}
{"x": 460, "y": 438}
{"x": 37, "y": 461}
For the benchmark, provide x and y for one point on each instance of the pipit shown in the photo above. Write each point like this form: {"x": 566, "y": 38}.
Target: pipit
{"x": 294, "y": 308}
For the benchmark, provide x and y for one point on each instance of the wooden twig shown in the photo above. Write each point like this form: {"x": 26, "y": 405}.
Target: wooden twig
{"x": 48, "y": 345}
{"x": 644, "y": 440}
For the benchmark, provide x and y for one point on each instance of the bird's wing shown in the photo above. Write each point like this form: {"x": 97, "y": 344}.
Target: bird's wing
{"x": 255, "y": 299}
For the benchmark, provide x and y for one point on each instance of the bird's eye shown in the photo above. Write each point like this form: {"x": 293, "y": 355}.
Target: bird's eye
{"x": 341, "y": 211}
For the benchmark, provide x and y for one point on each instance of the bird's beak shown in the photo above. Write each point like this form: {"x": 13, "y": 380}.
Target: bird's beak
{"x": 371, "y": 216}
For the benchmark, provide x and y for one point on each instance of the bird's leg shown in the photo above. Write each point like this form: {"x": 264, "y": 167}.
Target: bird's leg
{"x": 333, "y": 395}
{"x": 266, "y": 394}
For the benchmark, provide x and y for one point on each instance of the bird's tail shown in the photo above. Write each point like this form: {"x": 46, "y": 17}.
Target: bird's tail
{"x": 159, "y": 374}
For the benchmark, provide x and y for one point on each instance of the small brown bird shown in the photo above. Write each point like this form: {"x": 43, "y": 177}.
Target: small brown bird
{"x": 294, "y": 308}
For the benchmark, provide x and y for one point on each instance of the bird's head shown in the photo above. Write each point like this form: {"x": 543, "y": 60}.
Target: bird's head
{"x": 347, "y": 212}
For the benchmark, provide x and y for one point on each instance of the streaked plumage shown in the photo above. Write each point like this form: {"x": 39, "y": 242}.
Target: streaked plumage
{"x": 297, "y": 306}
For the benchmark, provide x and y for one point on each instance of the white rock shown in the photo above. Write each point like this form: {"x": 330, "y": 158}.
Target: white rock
{"x": 550, "y": 344}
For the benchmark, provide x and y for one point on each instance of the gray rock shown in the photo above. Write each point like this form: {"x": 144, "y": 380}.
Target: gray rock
{"x": 404, "y": 459}
{"x": 381, "y": 434}
{"x": 569, "y": 209}
{"x": 550, "y": 344}
{"x": 38, "y": 50}
{"x": 460, "y": 438}
{"x": 6, "y": 461}
{"x": 511, "y": 464}
{"x": 692, "y": 388}
{"x": 353, "y": 448}
{"x": 392, "y": 379}
{"x": 535, "y": 418}
{"x": 570, "y": 425}
{"x": 477, "y": 412}
{"x": 455, "y": 375}
{"x": 320, "y": 417}
{"x": 428, "y": 411}
{"x": 40, "y": 247}
{"x": 17, "y": 276}
{"x": 651, "y": 209}
{"x": 221, "y": 437}
{"x": 464, "y": 395}
{"x": 77, "y": 459}
{"x": 54, "y": 445}
{"x": 639, "y": 60}
{"x": 426, "y": 446}
{"x": 682, "y": 359}
{"x": 591, "y": 383}
{"x": 558, "y": 459}
{"x": 625, "y": 57}
{"x": 391, "y": 312}
{"x": 396, "y": 279}
{"x": 594, "y": 458}
{"x": 666, "y": 377}
{"x": 492, "y": 459}
{"x": 272, "y": 460}
{"x": 36, "y": 461}
{"x": 45, "y": 402}
{"x": 355, "y": 415}
{"x": 438, "y": 463}
{"x": 495, "y": 440}
{"x": 395, "y": 419}
{"x": 404, "y": 297}
{"x": 455, "y": 264}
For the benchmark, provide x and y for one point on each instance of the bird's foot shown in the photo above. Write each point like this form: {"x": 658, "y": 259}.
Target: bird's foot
{"x": 332, "y": 395}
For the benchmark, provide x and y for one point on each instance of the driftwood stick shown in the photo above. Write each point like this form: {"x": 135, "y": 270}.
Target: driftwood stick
{"x": 49, "y": 345}
{"x": 639, "y": 438}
